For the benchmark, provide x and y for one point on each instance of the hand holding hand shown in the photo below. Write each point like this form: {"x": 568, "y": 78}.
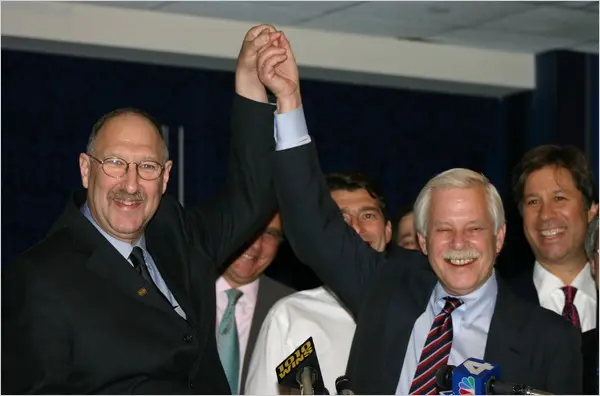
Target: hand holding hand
{"x": 278, "y": 71}
{"x": 247, "y": 83}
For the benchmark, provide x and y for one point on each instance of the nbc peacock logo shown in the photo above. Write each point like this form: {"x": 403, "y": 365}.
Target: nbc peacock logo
{"x": 467, "y": 386}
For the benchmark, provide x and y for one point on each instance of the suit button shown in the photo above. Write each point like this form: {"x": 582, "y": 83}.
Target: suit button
{"x": 188, "y": 338}
{"x": 191, "y": 385}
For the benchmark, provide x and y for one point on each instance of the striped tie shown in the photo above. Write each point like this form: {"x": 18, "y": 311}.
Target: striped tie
{"x": 570, "y": 310}
{"x": 436, "y": 350}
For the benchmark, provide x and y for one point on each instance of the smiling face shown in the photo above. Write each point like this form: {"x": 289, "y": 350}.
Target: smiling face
{"x": 555, "y": 219}
{"x": 259, "y": 255}
{"x": 363, "y": 213}
{"x": 123, "y": 206}
{"x": 460, "y": 242}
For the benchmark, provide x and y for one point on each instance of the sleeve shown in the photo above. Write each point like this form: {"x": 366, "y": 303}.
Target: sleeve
{"x": 36, "y": 336}
{"x": 291, "y": 130}
{"x": 223, "y": 224}
{"x": 316, "y": 230}
{"x": 270, "y": 350}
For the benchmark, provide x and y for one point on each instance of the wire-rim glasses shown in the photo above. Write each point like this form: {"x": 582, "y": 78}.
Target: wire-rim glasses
{"x": 116, "y": 167}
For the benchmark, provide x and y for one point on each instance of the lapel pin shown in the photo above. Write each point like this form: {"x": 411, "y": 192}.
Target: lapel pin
{"x": 142, "y": 292}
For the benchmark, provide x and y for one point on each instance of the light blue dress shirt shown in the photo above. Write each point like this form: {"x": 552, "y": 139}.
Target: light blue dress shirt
{"x": 470, "y": 326}
{"x": 125, "y": 249}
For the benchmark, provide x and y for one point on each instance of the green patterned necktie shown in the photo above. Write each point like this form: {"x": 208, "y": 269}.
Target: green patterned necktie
{"x": 228, "y": 343}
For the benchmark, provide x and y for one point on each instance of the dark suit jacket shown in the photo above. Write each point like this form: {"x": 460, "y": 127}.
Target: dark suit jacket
{"x": 269, "y": 292}
{"x": 388, "y": 293}
{"x": 74, "y": 319}
{"x": 523, "y": 286}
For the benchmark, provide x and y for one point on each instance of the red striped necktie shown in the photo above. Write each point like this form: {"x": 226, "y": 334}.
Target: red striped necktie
{"x": 570, "y": 310}
{"x": 436, "y": 350}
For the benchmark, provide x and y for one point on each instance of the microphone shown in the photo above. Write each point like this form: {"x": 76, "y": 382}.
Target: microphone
{"x": 300, "y": 370}
{"x": 474, "y": 376}
{"x": 343, "y": 385}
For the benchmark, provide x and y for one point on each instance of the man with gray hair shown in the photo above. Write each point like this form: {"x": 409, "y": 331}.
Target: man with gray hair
{"x": 410, "y": 320}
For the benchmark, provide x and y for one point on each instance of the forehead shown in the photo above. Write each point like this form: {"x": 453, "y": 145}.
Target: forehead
{"x": 275, "y": 222}
{"x": 549, "y": 178}
{"x": 407, "y": 220}
{"x": 469, "y": 202}
{"x": 129, "y": 132}
{"x": 354, "y": 199}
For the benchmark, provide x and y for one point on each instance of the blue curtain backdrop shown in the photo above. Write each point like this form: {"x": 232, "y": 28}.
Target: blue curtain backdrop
{"x": 400, "y": 138}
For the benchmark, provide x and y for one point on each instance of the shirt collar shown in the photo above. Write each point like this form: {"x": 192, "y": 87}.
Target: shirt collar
{"x": 484, "y": 294}
{"x": 250, "y": 290}
{"x": 123, "y": 248}
{"x": 546, "y": 282}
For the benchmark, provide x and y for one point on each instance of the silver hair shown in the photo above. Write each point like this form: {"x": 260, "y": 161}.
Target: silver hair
{"x": 591, "y": 238}
{"x": 458, "y": 178}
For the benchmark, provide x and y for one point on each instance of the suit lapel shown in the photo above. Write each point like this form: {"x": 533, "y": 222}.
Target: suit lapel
{"x": 407, "y": 304}
{"x": 172, "y": 275}
{"x": 504, "y": 338}
{"x": 106, "y": 261}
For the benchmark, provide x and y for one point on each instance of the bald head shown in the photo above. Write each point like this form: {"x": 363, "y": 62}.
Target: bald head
{"x": 130, "y": 115}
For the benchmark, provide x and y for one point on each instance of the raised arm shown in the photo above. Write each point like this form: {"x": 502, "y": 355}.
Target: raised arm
{"x": 311, "y": 219}
{"x": 244, "y": 205}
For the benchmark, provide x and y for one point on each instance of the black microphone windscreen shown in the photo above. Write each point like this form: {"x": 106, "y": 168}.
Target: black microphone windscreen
{"x": 443, "y": 377}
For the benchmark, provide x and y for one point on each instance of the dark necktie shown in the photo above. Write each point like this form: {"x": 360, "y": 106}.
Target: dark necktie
{"x": 139, "y": 264}
{"x": 436, "y": 350}
{"x": 570, "y": 310}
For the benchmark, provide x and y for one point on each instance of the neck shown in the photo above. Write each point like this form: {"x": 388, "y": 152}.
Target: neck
{"x": 566, "y": 270}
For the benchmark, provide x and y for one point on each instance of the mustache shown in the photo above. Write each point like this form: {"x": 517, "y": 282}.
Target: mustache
{"x": 123, "y": 195}
{"x": 465, "y": 254}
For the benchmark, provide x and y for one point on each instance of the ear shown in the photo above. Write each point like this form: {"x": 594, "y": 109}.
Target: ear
{"x": 166, "y": 175}
{"x": 388, "y": 232}
{"x": 500, "y": 238}
{"x": 85, "y": 169}
{"x": 422, "y": 242}
{"x": 593, "y": 212}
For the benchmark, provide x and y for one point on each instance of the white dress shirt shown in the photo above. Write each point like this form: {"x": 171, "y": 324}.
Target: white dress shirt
{"x": 470, "y": 327}
{"x": 244, "y": 311}
{"x": 292, "y": 320}
{"x": 551, "y": 296}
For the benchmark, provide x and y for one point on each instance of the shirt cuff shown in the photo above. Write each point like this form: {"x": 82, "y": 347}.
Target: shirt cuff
{"x": 291, "y": 130}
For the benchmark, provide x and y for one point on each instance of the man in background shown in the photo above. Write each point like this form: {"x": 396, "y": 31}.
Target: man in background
{"x": 555, "y": 191}
{"x": 318, "y": 313}
{"x": 244, "y": 296}
{"x": 405, "y": 234}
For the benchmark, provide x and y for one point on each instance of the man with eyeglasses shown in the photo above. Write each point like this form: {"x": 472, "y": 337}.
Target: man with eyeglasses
{"x": 120, "y": 296}
{"x": 244, "y": 297}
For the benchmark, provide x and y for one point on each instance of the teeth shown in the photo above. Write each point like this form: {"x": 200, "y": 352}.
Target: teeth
{"x": 248, "y": 257}
{"x": 461, "y": 261}
{"x": 127, "y": 203}
{"x": 550, "y": 233}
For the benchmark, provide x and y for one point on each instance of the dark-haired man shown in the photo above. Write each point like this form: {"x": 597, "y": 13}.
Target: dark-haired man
{"x": 319, "y": 313}
{"x": 555, "y": 190}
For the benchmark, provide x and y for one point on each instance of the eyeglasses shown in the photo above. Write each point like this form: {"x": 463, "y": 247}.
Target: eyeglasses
{"x": 118, "y": 167}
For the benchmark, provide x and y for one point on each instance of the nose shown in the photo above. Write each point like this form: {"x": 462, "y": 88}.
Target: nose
{"x": 355, "y": 223}
{"x": 546, "y": 210}
{"x": 132, "y": 179}
{"x": 458, "y": 240}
